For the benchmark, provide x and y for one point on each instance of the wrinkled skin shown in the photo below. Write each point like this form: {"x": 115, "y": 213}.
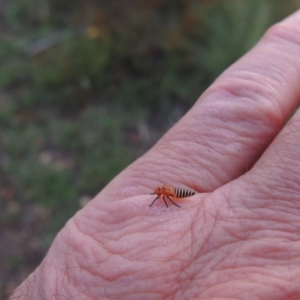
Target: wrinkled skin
{"x": 238, "y": 237}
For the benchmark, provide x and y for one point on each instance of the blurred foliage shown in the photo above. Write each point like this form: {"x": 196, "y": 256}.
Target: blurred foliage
{"x": 86, "y": 86}
{"x": 234, "y": 28}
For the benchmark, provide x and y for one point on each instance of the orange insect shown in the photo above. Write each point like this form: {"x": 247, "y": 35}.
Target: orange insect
{"x": 168, "y": 191}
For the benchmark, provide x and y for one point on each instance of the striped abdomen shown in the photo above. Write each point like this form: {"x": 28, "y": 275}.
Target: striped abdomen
{"x": 183, "y": 193}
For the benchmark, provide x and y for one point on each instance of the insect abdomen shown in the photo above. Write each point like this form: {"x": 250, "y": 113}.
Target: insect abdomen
{"x": 183, "y": 193}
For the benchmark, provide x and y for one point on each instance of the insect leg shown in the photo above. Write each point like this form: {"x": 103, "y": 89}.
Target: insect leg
{"x": 153, "y": 201}
{"x": 165, "y": 201}
{"x": 172, "y": 201}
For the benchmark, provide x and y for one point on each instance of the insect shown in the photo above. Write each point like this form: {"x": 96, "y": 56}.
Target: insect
{"x": 169, "y": 191}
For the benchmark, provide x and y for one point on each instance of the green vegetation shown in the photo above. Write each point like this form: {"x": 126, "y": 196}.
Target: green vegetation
{"x": 87, "y": 86}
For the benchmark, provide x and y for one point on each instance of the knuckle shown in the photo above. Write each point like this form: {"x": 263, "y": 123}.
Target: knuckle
{"x": 244, "y": 104}
{"x": 284, "y": 31}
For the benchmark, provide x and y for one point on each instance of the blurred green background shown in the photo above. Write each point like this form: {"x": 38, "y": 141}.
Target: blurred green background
{"x": 89, "y": 86}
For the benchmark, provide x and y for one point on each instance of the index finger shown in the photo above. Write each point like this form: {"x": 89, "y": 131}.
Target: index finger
{"x": 230, "y": 125}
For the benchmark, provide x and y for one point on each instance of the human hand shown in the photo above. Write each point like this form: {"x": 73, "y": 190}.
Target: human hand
{"x": 238, "y": 237}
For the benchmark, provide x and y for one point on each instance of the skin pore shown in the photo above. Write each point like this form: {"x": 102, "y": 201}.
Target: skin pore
{"x": 238, "y": 237}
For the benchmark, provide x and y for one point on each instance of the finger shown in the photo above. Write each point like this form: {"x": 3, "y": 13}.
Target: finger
{"x": 231, "y": 125}
{"x": 276, "y": 175}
